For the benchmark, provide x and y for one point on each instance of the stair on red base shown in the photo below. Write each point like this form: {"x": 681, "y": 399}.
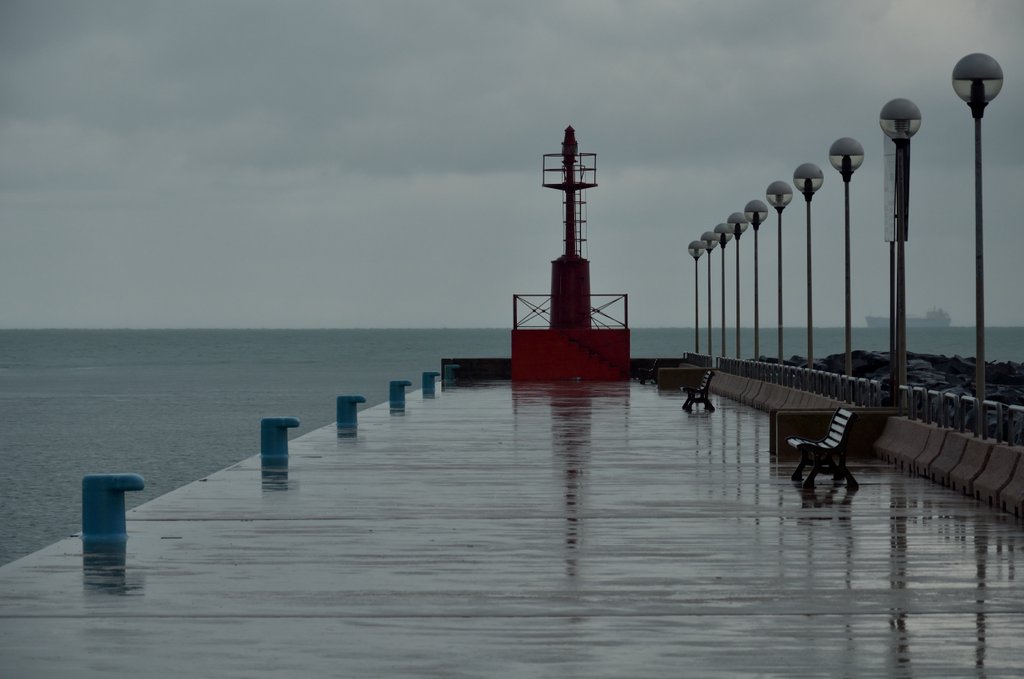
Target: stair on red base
{"x": 585, "y": 354}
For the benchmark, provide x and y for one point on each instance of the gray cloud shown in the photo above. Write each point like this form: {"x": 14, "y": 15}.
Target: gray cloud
{"x": 378, "y": 164}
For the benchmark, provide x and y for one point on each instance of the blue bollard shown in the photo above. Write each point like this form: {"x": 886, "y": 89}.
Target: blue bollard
{"x": 397, "y": 394}
{"x": 103, "y": 521}
{"x": 347, "y": 418}
{"x": 428, "y": 383}
{"x": 274, "y": 440}
{"x": 449, "y": 374}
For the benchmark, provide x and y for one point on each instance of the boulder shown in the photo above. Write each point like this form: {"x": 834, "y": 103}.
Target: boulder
{"x": 1003, "y": 373}
{"x": 1004, "y": 380}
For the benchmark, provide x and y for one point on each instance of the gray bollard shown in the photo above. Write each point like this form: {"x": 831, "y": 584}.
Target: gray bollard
{"x": 397, "y": 394}
{"x": 346, "y": 411}
{"x": 103, "y": 522}
{"x": 449, "y": 374}
{"x": 428, "y": 383}
{"x": 274, "y": 440}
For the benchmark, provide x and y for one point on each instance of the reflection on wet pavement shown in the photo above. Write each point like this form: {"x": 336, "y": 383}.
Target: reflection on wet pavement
{"x": 534, "y": 530}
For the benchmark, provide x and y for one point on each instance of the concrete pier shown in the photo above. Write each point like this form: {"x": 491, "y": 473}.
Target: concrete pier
{"x": 539, "y": 530}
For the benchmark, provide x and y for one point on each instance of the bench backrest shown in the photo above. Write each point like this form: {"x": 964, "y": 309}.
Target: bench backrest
{"x": 706, "y": 380}
{"x": 839, "y": 427}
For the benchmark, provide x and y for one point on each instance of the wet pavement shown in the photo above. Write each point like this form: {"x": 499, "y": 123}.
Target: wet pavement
{"x": 564, "y": 530}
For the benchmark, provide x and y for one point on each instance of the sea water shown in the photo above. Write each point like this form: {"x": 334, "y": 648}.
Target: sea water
{"x": 177, "y": 405}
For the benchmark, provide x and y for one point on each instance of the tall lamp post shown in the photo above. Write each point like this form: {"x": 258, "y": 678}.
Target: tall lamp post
{"x": 808, "y": 178}
{"x": 724, "y": 236}
{"x": 779, "y": 194}
{"x": 900, "y": 119}
{"x": 846, "y": 155}
{"x": 737, "y": 225}
{"x": 696, "y": 249}
{"x": 977, "y": 79}
{"x": 756, "y": 212}
{"x": 710, "y": 239}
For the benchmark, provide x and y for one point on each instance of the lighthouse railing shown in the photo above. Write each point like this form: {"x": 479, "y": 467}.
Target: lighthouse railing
{"x": 607, "y": 311}
{"x": 531, "y": 311}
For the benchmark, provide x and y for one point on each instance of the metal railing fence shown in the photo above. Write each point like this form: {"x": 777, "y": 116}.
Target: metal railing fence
{"x": 988, "y": 419}
{"x": 607, "y": 311}
{"x": 858, "y": 391}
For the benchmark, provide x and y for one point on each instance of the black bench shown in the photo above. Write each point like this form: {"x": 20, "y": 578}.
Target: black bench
{"x": 651, "y": 373}
{"x": 828, "y": 452}
{"x": 699, "y": 394}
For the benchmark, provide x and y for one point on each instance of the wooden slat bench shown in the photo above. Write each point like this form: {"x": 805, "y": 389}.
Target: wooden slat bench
{"x": 828, "y": 452}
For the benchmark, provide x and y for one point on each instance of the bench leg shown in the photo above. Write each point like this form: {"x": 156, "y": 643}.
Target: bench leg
{"x": 819, "y": 461}
{"x": 693, "y": 397}
{"x": 816, "y": 466}
{"x": 809, "y": 481}
{"x": 798, "y": 475}
{"x": 851, "y": 482}
{"x": 823, "y": 461}
{"x": 838, "y": 470}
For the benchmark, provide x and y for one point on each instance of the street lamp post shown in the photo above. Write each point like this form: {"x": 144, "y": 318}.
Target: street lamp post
{"x": 724, "y": 235}
{"x": 710, "y": 239}
{"x": 977, "y": 79}
{"x": 900, "y": 119}
{"x": 737, "y": 225}
{"x": 779, "y": 194}
{"x": 756, "y": 212}
{"x": 846, "y": 155}
{"x": 696, "y": 249}
{"x": 808, "y": 178}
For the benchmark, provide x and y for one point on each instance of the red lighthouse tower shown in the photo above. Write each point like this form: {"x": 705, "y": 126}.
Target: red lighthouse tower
{"x": 570, "y": 273}
{"x": 570, "y": 334}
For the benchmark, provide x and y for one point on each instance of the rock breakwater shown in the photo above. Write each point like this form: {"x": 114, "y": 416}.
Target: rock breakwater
{"x": 1004, "y": 381}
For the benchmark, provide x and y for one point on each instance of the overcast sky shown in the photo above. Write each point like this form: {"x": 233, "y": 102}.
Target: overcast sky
{"x": 378, "y": 164}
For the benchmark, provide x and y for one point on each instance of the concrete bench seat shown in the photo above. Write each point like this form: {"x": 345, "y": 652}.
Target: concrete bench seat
{"x": 901, "y": 441}
{"x": 730, "y": 386}
{"x": 932, "y": 449}
{"x": 749, "y": 394}
{"x": 770, "y": 397}
{"x": 974, "y": 462}
{"x": 783, "y": 395}
{"x": 999, "y": 471}
{"x": 1012, "y": 494}
{"x": 950, "y": 454}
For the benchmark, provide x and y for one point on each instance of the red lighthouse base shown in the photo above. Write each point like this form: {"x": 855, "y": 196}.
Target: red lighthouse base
{"x": 568, "y": 354}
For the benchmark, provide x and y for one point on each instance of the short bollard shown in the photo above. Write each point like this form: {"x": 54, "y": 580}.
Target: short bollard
{"x": 396, "y": 396}
{"x": 449, "y": 374}
{"x": 103, "y": 521}
{"x": 274, "y": 440}
{"x": 347, "y": 418}
{"x": 428, "y": 383}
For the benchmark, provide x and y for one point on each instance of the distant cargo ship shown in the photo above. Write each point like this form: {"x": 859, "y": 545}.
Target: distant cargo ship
{"x": 936, "y": 318}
